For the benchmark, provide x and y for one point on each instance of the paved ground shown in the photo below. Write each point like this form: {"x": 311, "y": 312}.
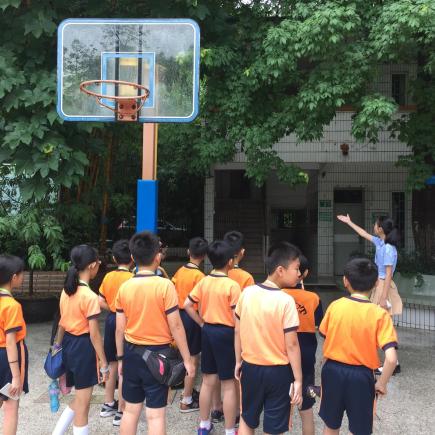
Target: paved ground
{"x": 408, "y": 408}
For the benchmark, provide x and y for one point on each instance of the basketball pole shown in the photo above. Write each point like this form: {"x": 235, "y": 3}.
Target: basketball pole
{"x": 147, "y": 187}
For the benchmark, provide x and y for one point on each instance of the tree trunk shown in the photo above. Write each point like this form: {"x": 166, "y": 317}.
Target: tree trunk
{"x": 105, "y": 206}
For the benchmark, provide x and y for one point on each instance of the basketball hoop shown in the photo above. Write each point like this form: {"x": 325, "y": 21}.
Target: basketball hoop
{"x": 126, "y": 107}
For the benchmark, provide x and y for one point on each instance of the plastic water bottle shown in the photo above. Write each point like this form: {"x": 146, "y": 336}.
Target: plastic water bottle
{"x": 53, "y": 391}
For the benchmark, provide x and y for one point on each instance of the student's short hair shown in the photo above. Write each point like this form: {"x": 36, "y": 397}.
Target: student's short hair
{"x": 121, "y": 252}
{"x": 9, "y": 266}
{"x": 281, "y": 254}
{"x": 198, "y": 247}
{"x": 361, "y": 273}
{"x": 219, "y": 253}
{"x": 236, "y": 240}
{"x": 304, "y": 264}
{"x": 144, "y": 246}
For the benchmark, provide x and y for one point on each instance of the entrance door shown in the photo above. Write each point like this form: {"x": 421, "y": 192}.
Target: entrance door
{"x": 346, "y": 241}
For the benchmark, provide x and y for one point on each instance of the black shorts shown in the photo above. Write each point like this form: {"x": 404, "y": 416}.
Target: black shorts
{"x": 218, "y": 356}
{"x": 193, "y": 333}
{"x": 109, "y": 337}
{"x": 5, "y": 370}
{"x": 80, "y": 360}
{"x": 268, "y": 388}
{"x": 139, "y": 384}
{"x": 347, "y": 388}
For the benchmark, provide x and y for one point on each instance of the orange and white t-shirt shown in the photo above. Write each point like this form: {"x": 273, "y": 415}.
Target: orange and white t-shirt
{"x": 147, "y": 300}
{"x": 309, "y": 309}
{"x": 266, "y": 314}
{"x": 216, "y": 296}
{"x": 11, "y": 319}
{"x": 76, "y": 310}
{"x": 241, "y": 276}
{"x": 354, "y": 330}
{"x": 185, "y": 280}
{"x": 111, "y": 284}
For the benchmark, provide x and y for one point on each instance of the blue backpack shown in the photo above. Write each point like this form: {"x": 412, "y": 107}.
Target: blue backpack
{"x": 53, "y": 365}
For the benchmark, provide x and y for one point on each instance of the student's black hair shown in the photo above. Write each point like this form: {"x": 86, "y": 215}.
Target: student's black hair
{"x": 361, "y": 273}
{"x": 9, "y": 266}
{"x": 81, "y": 257}
{"x": 392, "y": 235}
{"x": 305, "y": 265}
{"x": 236, "y": 240}
{"x": 281, "y": 254}
{"x": 121, "y": 252}
{"x": 144, "y": 246}
{"x": 198, "y": 247}
{"x": 219, "y": 253}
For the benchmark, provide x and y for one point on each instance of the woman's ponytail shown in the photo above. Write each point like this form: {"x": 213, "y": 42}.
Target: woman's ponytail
{"x": 71, "y": 280}
{"x": 392, "y": 234}
{"x": 81, "y": 257}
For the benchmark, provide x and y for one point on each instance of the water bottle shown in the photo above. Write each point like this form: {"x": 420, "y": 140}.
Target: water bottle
{"x": 53, "y": 391}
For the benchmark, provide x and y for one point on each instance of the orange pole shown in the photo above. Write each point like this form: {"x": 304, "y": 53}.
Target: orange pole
{"x": 149, "y": 154}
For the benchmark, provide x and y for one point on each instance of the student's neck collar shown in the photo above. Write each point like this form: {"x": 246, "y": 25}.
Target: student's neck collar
{"x": 361, "y": 296}
{"x": 191, "y": 264}
{"x": 269, "y": 283}
{"x": 218, "y": 273}
{"x": 123, "y": 268}
{"x": 146, "y": 271}
{"x": 5, "y": 292}
{"x": 236, "y": 266}
{"x": 83, "y": 283}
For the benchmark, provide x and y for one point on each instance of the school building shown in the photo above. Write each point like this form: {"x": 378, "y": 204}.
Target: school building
{"x": 345, "y": 176}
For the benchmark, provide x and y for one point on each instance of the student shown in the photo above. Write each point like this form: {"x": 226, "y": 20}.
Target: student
{"x": 266, "y": 341}
{"x": 242, "y": 277}
{"x": 386, "y": 242}
{"x": 354, "y": 330}
{"x": 80, "y": 337}
{"x": 147, "y": 317}
{"x": 185, "y": 280}
{"x": 217, "y": 296}
{"x": 14, "y": 359}
{"x": 310, "y": 313}
{"x": 108, "y": 291}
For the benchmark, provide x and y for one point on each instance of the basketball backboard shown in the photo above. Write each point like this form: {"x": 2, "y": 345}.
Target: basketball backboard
{"x": 160, "y": 54}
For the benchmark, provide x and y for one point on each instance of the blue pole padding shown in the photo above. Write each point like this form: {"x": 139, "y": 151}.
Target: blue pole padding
{"x": 147, "y": 203}
{"x": 431, "y": 181}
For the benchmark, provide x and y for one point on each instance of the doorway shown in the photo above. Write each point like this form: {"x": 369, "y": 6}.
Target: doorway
{"x": 346, "y": 242}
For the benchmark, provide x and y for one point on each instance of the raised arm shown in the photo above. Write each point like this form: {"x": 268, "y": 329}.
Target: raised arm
{"x": 360, "y": 231}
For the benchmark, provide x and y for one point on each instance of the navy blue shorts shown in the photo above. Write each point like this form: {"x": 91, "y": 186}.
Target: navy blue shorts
{"x": 268, "y": 388}
{"x": 109, "y": 337}
{"x": 80, "y": 360}
{"x": 308, "y": 345}
{"x": 218, "y": 356}
{"x": 139, "y": 384}
{"x": 347, "y": 388}
{"x": 193, "y": 333}
{"x": 5, "y": 370}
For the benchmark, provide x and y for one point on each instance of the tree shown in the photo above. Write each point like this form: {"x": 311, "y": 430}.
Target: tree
{"x": 268, "y": 68}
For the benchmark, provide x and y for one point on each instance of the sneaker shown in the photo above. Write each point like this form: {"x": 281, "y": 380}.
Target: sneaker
{"x": 191, "y": 407}
{"x": 195, "y": 395}
{"x": 117, "y": 419}
{"x": 217, "y": 416}
{"x": 204, "y": 431}
{"x": 109, "y": 410}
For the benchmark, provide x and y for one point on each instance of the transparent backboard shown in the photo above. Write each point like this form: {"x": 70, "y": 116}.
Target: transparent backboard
{"x": 161, "y": 54}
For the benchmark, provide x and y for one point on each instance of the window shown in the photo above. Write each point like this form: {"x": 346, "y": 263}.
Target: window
{"x": 398, "y": 214}
{"x": 398, "y": 88}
